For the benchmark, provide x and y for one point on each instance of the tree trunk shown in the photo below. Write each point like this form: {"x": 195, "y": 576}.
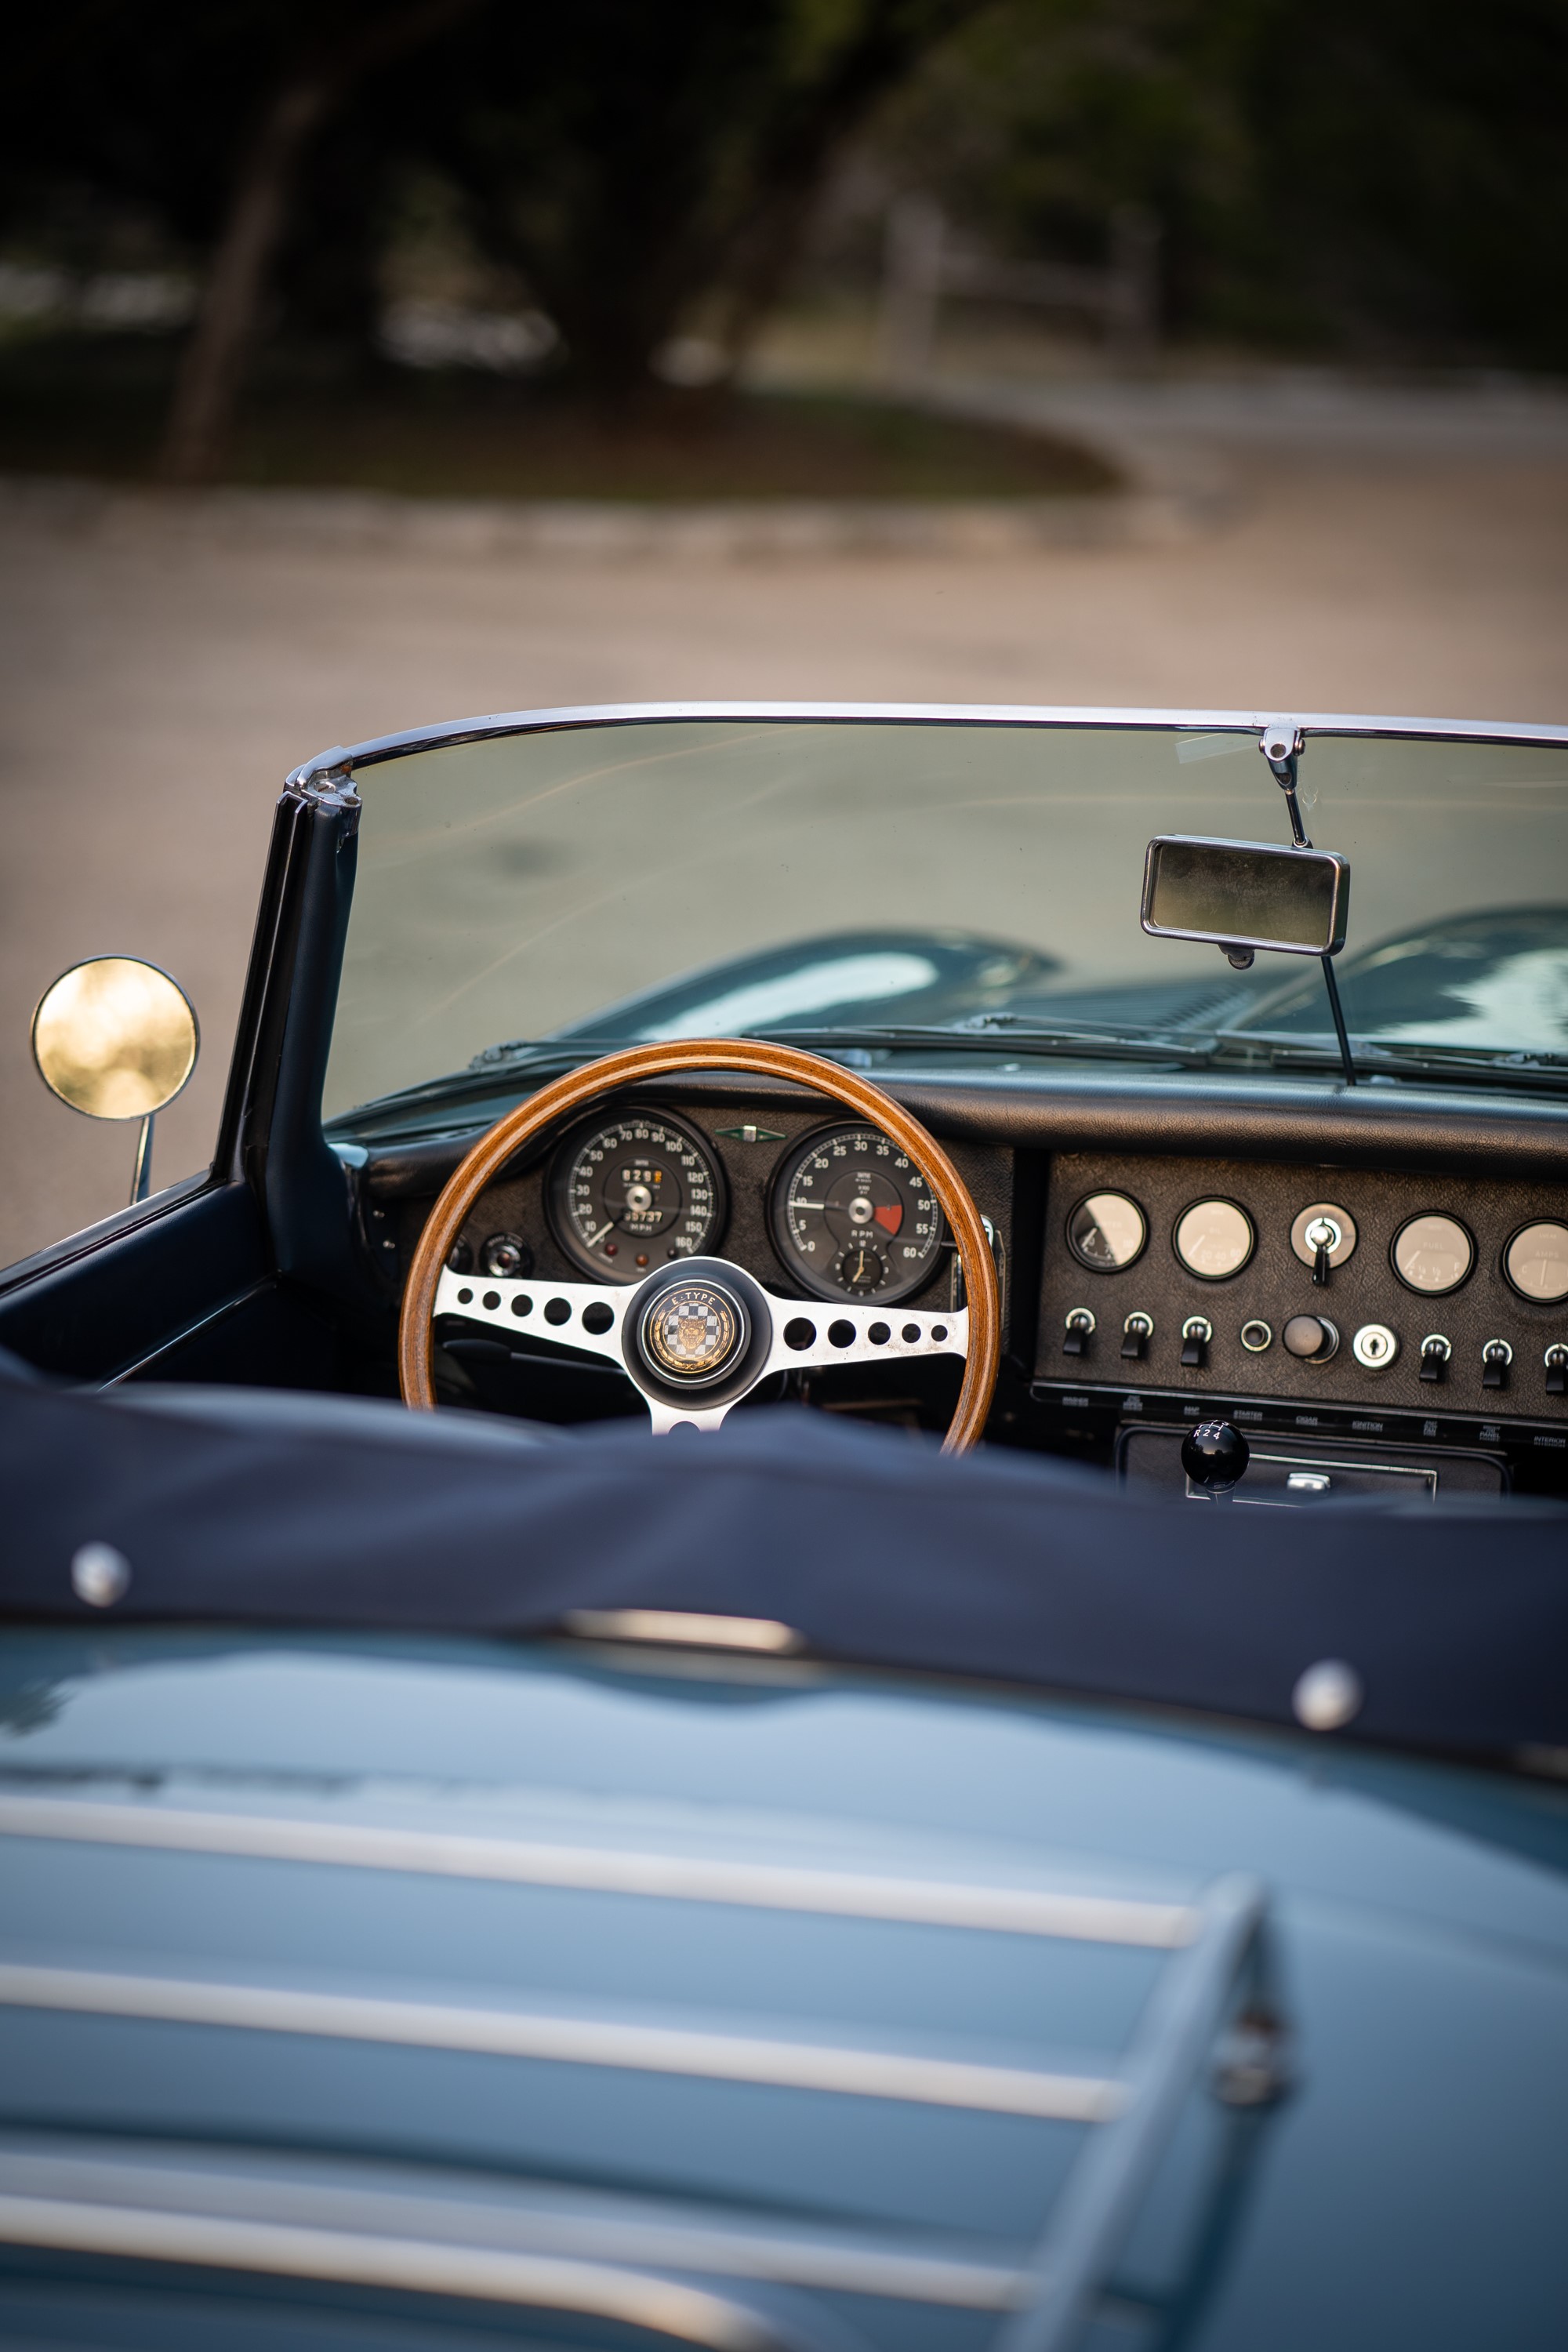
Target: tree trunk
{"x": 213, "y": 364}
{"x": 215, "y": 359}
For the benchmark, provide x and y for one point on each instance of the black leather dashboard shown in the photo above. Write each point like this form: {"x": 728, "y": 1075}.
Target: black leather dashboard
{"x": 1031, "y": 1146}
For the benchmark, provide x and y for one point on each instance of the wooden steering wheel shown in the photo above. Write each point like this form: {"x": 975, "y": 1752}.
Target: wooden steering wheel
{"x": 697, "y": 1335}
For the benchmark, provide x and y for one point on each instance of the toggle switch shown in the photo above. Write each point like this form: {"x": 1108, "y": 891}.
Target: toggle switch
{"x": 1079, "y": 1331}
{"x": 1495, "y": 1358}
{"x": 1136, "y": 1334}
{"x": 1556, "y": 1362}
{"x": 1196, "y": 1333}
{"x": 1323, "y": 1236}
{"x": 1436, "y": 1351}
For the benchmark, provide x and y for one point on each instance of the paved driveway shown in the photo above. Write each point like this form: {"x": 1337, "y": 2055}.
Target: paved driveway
{"x": 158, "y": 680}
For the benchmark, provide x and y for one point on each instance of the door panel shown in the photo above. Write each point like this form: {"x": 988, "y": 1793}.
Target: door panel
{"x": 100, "y": 1304}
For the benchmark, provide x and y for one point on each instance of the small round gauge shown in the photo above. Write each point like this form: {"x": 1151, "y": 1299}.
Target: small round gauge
{"x": 1433, "y": 1255}
{"x": 1107, "y": 1232}
{"x": 1214, "y": 1239}
{"x": 853, "y": 1217}
{"x": 630, "y": 1194}
{"x": 1536, "y": 1262}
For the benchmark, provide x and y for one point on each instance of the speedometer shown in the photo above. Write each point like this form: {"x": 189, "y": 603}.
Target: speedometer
{"x": 632, "y": 1193}
{"x": 853, "y": 1217}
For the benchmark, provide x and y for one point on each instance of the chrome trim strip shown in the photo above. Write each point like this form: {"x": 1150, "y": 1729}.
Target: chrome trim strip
{"x": 854, "y": 2263}
{"x": 769, "y": 1886}
{"x": 571, "y": 2041}
{"x": 663, "y": 2306}
{"x": 442, "y": 735}
{"x": 686, "y": 1628}
{"x": 191, "y": 1331}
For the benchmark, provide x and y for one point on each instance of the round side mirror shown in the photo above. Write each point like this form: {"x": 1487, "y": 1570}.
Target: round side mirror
{"x": 116, "y": 1038}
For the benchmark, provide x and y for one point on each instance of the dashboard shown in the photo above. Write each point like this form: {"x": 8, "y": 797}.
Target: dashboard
{"x": 1387, "y": 1309}
{"x": 1371, "y": 1328}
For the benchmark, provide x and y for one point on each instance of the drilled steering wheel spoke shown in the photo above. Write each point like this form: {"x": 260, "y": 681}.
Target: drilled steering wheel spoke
{"x": 810, "y": 1335}
{"x": 691, "y": 1343}
{"x": 583, "y": 1315}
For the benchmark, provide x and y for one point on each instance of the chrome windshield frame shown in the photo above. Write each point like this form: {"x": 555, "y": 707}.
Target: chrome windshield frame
{"x": 444, "y": 735}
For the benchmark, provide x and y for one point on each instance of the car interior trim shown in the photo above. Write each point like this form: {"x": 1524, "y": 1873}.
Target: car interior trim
{"x": 906, "y": 2076}
{"x": 72, "y": 1248}
{"x": 753, "y": 1885}
{"x": 177, "y": 1340}
{"x": 1145, "y": 1117}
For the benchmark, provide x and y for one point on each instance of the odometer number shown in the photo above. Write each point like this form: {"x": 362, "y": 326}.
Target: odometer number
{"x": 630, "y": 1194}
{"x": 853, "y": 1217}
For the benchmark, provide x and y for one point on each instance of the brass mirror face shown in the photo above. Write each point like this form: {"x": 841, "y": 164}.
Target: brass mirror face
{"x": 115, "y": 1038}
{"x": 1246, "y": 894}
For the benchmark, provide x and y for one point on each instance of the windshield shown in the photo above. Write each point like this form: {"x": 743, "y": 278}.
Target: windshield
{"x": 932, "y": 884}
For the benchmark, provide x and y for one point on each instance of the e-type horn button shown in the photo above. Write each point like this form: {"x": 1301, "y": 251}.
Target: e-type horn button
{"x": 692, "y": 1332}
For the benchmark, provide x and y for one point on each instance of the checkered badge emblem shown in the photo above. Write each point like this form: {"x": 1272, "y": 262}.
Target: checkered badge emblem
{"x": 693, "y": 1331}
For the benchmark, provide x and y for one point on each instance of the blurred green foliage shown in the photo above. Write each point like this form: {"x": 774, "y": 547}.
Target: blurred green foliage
{"x": 630, "y": 164}
{"x": 1384, "y": 178}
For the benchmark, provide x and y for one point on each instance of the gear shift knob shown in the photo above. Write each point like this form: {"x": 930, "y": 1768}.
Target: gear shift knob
{"x": 1215, "y": 1455}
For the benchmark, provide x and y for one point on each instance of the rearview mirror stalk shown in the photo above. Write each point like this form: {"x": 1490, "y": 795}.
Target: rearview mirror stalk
{"x": 1281, "y": 747}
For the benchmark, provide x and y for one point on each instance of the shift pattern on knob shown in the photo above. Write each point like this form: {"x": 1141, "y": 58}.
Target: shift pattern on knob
{"x": 1215, "y": 1456}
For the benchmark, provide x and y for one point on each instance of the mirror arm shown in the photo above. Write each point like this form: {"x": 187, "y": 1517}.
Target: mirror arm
{"x": 1337, "y": 1011}
{"x": 1284, "y": 762}
{"x": 142, "y": 1175}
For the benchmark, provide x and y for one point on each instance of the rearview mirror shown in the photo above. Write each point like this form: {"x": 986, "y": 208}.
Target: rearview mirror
{"x": 1246, "y": 895}
{"x": 116, "y": 1038}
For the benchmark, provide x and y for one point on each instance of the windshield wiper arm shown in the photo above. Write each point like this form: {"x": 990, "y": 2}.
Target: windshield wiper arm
{"x": 1484, "y": 1065}
{"x": 1090, "y": 1044}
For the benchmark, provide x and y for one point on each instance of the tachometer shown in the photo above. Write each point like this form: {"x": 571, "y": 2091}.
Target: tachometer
{"x": 631, "y": 1193}
{"x": 853, "y": 1217}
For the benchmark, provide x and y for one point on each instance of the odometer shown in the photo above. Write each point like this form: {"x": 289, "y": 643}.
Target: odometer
{"x": 632, "y": 1193}
{"x": 853, "y": 1217}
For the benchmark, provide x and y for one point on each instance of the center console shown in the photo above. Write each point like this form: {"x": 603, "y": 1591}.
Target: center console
{"x": 1371, "y": 1332}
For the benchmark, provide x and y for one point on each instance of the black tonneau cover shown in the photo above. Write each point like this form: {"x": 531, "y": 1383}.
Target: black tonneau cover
{"x": 241, "y": 1507}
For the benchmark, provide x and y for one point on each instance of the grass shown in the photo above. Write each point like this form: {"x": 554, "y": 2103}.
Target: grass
{"x": 90, "y": 407}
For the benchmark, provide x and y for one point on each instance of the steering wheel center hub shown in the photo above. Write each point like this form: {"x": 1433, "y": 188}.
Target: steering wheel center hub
{"x": 692, "y": 1332}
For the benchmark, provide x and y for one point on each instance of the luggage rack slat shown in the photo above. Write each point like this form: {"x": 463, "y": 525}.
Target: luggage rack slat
{"x": 1069, "y": 2272}
{"x": 1046, "y": 1912}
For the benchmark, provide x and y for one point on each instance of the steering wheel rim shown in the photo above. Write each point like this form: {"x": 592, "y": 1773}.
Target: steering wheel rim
{"x": 578, "y": 1088}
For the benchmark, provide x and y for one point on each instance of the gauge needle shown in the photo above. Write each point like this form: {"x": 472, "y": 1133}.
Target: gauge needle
{"x": 594, "y": 1239}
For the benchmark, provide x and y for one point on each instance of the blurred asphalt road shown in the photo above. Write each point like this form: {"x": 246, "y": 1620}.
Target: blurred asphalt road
{"x": 159, "y": 682}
